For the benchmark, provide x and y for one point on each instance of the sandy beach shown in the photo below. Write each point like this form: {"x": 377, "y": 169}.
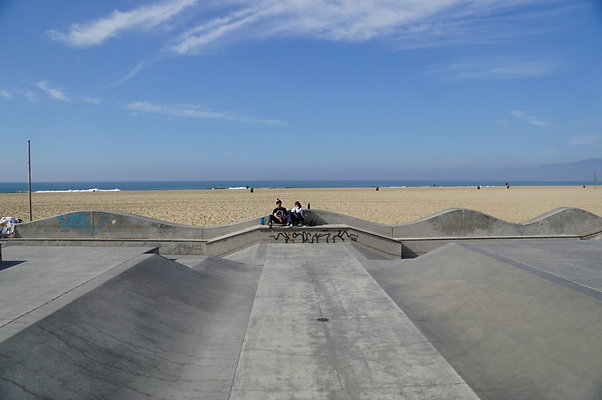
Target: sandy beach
{"x": 388, "y": 205}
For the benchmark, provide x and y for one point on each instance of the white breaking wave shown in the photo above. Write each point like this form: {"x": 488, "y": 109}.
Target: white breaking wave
{"x": 78, "y": 190}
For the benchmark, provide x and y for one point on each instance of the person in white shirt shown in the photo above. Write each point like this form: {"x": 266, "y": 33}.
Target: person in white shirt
{"x": 297, "y": 216}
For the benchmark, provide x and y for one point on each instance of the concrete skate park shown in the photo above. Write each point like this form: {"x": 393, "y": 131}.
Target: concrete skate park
{"x": 457, "y": 305}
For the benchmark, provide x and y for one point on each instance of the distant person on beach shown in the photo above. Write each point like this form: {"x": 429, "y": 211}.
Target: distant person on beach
{"x": 280, "y": 215}
{"x": 297, "y": 216}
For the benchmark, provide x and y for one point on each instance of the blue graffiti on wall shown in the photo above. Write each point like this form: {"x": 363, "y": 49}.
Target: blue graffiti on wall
{"x": 80, "y": 222}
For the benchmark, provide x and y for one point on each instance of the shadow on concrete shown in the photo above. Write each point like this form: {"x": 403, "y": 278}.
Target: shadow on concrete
{"x": 9, "y": 264}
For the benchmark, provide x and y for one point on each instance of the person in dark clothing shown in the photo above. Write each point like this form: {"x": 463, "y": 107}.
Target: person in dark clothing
{"x": 280, "y": 215}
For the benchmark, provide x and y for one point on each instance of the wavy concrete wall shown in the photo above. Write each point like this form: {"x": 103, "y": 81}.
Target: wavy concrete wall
{"x": 469, "y": 223}
{"x": 323, "y": 217}
{"x": 96, "y": 224}
{"x": 460, "y": 222}
{"x": 444, "y": 224}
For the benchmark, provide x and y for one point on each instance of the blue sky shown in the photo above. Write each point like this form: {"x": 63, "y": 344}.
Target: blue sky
{"x": 296, "y": 89}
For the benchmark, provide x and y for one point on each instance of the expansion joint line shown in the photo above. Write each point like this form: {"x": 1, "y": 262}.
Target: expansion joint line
{"x": 543, "y": 274}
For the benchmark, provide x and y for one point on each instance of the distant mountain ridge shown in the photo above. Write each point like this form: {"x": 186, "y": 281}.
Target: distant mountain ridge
{"x": 582, "y": 171}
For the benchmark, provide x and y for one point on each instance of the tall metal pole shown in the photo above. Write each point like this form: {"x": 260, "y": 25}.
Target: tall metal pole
{"x": 29, "y": 168}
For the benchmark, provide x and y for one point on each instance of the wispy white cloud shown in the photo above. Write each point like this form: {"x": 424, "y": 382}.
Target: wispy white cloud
{"x": 197, "y": 27}
{"x": 530, "y": 119}
{"x": 29, "y": 95}
{"x": 134, "y": 71}
{"x": 6, "y": 94}
{"x": 584, "y": 140}
{"x": 97, "y": 31}
{"x": 208, "y": 33}
{"x": 53, "y": 93}
{"x": 512, "y": 68}
{"x": 195, "y": 111}
{"x": 92, "y": 100}
{"x": 408, "y": 23}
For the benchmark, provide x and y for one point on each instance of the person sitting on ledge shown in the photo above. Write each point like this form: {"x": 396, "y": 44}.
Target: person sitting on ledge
{"x": 297, "y": 217}
{"x": 280, "y": 215}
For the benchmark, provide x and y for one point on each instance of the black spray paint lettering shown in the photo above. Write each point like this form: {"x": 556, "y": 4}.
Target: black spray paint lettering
{"x": 316, "y": 237}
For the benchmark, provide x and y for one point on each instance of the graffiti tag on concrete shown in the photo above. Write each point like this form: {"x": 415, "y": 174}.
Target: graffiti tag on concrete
{"x": 316, "y": 237}
{"x": 80, "y": 222}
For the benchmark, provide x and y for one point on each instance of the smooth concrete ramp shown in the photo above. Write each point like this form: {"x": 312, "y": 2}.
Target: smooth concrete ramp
{"x": 157, "y": 330}
{"x": 322, "y": 328}
{"x": 572, "y": 261}
{"x": 292, "y": 322}
{"x": 31, "y": 276}
{"x": 497, "y": 320}
{"x": 518, "y": 320}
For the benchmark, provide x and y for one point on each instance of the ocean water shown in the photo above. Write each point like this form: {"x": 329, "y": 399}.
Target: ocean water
{"x": 45, "y": 187}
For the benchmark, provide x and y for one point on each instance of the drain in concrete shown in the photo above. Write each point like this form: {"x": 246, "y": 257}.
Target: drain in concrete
{"x": 322, "y": 319}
